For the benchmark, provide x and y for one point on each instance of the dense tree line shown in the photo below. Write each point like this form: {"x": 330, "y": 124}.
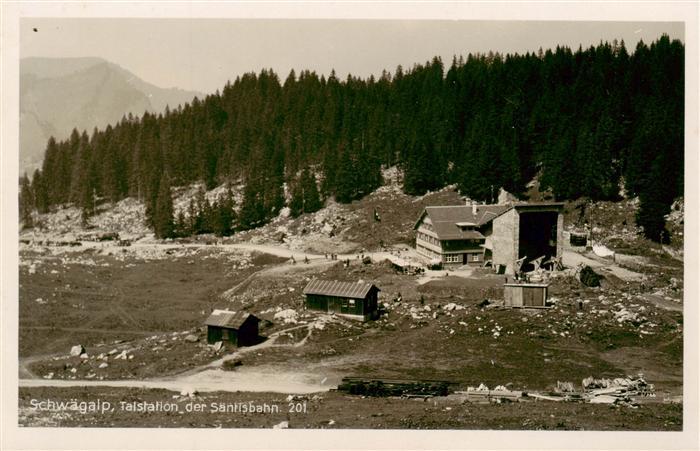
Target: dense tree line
{"x": 585, "y": 120}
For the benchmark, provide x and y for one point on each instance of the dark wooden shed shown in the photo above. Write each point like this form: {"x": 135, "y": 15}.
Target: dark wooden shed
{"x": 357, "y": 300}
{"x": 237, "y": 328}
{"x": 532, "y": 295}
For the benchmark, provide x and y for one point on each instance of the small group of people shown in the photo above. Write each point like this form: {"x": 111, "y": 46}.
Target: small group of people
{"x": 294, "y": 260}
{"x": 332, "y": 256}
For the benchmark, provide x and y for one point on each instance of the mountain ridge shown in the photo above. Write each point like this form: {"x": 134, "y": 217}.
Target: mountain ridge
{"x": 60, "y": 94}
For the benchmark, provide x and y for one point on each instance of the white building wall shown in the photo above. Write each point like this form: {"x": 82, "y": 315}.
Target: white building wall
{"x": 505, "y": 240}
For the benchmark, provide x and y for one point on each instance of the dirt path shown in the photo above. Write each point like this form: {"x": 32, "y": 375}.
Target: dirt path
{"x": 429, "y": 275}
{"x": 271, "y": 249}
{"x": 240, "y": 352}
{"x": 96, "y": 331}
{"x": 248, "y": 380}
{"x": 23, "y": 366}
{"x": 573, "y": 259}
{"x": 673, "y": 253}
{"x": 211, "y": 377}
{"x": 663, "y": 303}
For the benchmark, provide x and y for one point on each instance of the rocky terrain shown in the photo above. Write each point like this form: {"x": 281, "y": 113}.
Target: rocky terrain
{"x": 137, "y": 313}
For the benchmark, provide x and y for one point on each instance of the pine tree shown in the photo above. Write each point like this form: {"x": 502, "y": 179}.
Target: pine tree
{"x": 208, "y": 213}
{"x": 345, "y": 178}
{"x": 296, "y": 203}
{"x": 194, "y": 223}
{"x": 163, "y": 218}
{"x": 88, "y": 203}
{"x": 311, "y": 197}
{"x": 40, "y": 193}
{"x": 182, "y": 228}
{"x": 26, "y": 202}
{"x": 305, "y": 195}
{"x": 252, "y": 212}
{"x": 225, "y": 214}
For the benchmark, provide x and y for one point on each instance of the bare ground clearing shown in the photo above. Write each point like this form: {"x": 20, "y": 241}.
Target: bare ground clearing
{"x": 438, "y": 330}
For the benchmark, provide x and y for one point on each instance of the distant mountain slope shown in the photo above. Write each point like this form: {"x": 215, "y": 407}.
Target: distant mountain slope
{"x": 59, "y": 94}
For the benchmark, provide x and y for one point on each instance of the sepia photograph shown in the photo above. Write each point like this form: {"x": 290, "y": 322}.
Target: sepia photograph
{"x": 365, "y": 224}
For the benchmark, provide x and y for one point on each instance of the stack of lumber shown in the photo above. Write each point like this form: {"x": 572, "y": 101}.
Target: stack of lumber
{"x": 392, "y": 387}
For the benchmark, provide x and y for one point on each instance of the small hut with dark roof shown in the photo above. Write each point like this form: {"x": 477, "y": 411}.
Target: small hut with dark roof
{"x": 237, "y": 328}
{"x": 356, "y": 300}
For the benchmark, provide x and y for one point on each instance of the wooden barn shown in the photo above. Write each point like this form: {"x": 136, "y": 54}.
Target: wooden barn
{"x": 356, "y": 300}
{"x": 237, "y": 328}
{"x": 525, "y": 295}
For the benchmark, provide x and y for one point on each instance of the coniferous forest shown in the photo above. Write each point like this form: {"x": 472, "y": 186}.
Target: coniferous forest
{"x": 587, "y": 121}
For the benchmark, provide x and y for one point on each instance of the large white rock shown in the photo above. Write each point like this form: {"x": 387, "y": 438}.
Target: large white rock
{"x": 188, "y": 391}
{"x": 287, "y": 316}
{"x": 76, "y": 350}
{"x": 602, "y": 251}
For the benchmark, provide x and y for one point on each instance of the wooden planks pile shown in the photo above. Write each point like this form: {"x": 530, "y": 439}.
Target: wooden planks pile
{"x": 393, "y": 387}
{"x": 484, "y": 395}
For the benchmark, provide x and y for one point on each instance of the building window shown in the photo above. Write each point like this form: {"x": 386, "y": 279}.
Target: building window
{"x": 452, "y": 258}
{"x": 476, "y": 257}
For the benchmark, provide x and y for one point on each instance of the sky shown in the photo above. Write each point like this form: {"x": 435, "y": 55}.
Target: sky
{"x": 202, "y": 54}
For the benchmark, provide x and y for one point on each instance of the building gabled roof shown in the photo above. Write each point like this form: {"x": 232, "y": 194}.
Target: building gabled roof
{"x": 452, "y": 222}
{"x": 353, "y": 290}
{"x": 228, "y": 318}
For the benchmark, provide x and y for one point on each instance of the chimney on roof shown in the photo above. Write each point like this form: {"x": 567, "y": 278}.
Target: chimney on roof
{"x": 474, "y": 208}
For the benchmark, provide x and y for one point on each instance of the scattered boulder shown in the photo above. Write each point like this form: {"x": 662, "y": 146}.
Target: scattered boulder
{"x": 484, "y": 303}
{"x": 191, "y": 338}
{"x": 288, "y": 316}
{"x": 103, "y": 365}
{"x": 282, "y": 425}
{"x": 565, "y": 387}
{"x": 188, "y": 391}
{"x": 77, "y": 350}
{"x": 232, "y": 364}
{"x": 327, "y": 228}
{"x": 589, "y": 277}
